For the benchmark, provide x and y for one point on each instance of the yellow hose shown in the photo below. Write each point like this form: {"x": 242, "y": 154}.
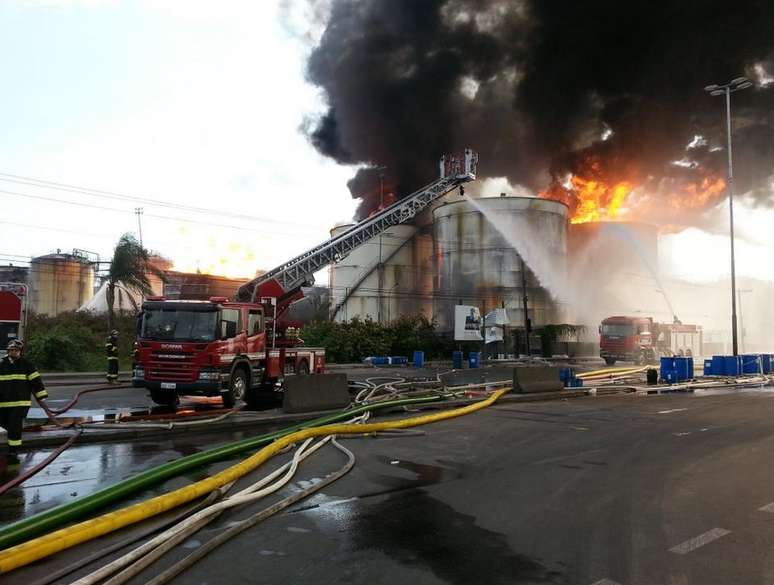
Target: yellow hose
{"x": 54, "y": 542}
{"x": 612, "y": 371}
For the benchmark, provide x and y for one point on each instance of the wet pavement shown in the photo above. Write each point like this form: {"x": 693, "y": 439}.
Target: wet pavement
{"x": 628, "y": 489}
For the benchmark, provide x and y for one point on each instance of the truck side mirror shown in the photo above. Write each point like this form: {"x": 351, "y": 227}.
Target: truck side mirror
{"x": 600, "y": 329}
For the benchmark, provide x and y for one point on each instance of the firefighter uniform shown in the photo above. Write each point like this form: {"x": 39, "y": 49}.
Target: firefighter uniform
{"x": 18, "y": 380}
{"x": 111, "y": 350}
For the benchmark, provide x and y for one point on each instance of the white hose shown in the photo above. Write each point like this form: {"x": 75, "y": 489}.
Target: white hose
{"x": 196, "y": 521}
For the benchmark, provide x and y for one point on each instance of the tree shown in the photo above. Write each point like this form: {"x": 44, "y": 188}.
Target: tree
{"x": 129, "y": 271}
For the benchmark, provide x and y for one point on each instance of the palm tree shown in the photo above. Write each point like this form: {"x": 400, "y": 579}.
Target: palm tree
{"x": 128, "y": 271}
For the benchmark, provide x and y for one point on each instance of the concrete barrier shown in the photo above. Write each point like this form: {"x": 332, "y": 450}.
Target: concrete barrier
{"x": 529, "y": 379}
{"x": 316, "y": 392}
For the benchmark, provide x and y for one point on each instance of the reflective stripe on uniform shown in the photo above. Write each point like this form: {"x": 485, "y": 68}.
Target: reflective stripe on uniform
{"x": 112, "y": 357}
{"x": 33, "y": 375}
{"x": 14, "y": 442}
{"x": 41, "y": 394}
{"x": 9, "y": 377}
{"x": 16, "y": 403}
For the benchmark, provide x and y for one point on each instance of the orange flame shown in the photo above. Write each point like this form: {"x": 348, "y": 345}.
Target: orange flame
{"x": 597, "y": 201}
{"x": 594, "y": 199}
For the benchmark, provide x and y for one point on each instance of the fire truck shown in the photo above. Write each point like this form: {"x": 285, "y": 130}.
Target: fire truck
{"x": 643, "y": 341}
{"x": 244, "y": 348}
{"x": 13, "y": 312}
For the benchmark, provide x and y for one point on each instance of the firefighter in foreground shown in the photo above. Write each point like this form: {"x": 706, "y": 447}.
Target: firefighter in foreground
{"x": 111, "y": 350}
{"x": 18, "y": 380}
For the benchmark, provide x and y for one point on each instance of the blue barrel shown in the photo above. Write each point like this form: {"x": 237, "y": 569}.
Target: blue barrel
{"x": 766, "y": 361}
{"x": 750, "y": 364}
{"x": 708, "y": 368}
{"x": 685, "y": 368}
{"x": 567, "y": 375}
{"x": 398, "y": 360}
{"x": 668, "y": 369}
{"x": 474, "y": 358}
{"x": 733, "y": 365}
{"x": 457, "y": 360}
{"x": 718, "y": 365}
{"x": 419, "y": 359}
{"x": 379, "y": 360}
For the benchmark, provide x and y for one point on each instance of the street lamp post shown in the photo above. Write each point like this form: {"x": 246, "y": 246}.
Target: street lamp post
{"x": 727, "y": 90}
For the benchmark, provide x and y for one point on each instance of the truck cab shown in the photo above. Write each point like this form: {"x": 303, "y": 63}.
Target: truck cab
{"x": 628, "y": 339}
{"x": 214, "y": 348}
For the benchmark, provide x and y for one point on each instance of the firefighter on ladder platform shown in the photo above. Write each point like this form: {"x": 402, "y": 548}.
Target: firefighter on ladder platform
{"x": 18, "y": 380}
{"x": 111, "y": 350}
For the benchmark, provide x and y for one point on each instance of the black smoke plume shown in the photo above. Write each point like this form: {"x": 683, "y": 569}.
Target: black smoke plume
{"x": 534, "y": 85}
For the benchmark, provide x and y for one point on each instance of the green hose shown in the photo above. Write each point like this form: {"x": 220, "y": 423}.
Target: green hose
{"x": 55, "y": 517}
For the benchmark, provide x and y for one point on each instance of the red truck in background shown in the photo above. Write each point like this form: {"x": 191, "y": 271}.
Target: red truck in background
{"x": 643, "y": 341}
{"x": 216, "y": 348}
{"x": 13, "y": 312}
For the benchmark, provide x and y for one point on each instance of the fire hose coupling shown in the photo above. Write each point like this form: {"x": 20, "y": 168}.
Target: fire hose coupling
{"x": 209, "y": 374}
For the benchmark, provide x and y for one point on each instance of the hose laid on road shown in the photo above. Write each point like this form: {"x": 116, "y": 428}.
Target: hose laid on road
{"x": 151, "y": 550}
{"x": 251, "y": 521}
{"x": 103, "y": 552}
{"x": 78, "y": 395}
{"x": 22, "y": 530}
{"x": 62, "y": 539}
{"x": 21, "y": 478}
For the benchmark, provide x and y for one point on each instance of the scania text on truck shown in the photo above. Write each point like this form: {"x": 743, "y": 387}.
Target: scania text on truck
{"x": 643, "y": 341}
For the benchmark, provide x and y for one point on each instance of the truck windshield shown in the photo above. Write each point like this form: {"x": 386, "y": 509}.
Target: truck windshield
{"x": 617, "y": 329}
{"x": 177, "y": 325}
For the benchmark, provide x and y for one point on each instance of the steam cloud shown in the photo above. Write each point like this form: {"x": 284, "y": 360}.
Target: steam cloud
{"x": 534, "y": 85}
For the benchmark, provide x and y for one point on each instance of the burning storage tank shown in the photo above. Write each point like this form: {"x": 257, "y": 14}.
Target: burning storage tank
{"x": 60, "y": 282}
{"x": 479, "y": 247}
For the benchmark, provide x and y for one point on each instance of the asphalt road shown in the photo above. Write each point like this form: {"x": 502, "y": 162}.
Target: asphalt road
{"x": 673, "y": 489}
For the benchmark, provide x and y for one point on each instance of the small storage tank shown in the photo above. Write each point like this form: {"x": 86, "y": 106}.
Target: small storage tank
{"x": 59, "y": 283}
{"x": 479, "y": 247}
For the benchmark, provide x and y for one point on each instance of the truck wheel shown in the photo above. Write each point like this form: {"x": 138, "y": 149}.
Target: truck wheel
{"x": 237, "y": 387}
{"x": 609, "y": 361}
{"x": 303, "y": 368}
{"x": 164, "y": 397}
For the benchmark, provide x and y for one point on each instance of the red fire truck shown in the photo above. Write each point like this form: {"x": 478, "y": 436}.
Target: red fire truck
{"x": 643, "y": 341}
{"x": 215, "y": 347}
{"x": 13, "y": 312}
{"x": 242, "y": 348}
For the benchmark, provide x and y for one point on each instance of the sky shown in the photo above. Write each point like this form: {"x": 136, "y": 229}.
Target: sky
{"x": 183, "y": 104}
{"x": 167, "y": 101}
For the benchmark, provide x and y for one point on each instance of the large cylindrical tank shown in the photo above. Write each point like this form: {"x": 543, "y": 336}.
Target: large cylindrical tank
{"x": 479, "y": 247}
{"x": 377, "y": 280}
{"x": 59, "y": 283}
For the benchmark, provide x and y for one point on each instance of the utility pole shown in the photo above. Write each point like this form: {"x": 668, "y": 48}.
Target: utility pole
{"x": 726, "y": 90}
{"x": 527, "y": 324}
{"x": 380, "y": 267}
{"x": 138, "y": 211}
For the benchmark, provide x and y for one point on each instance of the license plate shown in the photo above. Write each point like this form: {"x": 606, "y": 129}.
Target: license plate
{"x": 168, "y": 385}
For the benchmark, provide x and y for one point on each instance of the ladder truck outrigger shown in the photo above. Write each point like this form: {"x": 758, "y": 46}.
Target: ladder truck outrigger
{"x": 242, "y": 349}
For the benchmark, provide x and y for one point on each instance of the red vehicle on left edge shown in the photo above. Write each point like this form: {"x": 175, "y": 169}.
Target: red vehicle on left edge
{"x": 215, "y": 348}
{"x": 13, "y": 312}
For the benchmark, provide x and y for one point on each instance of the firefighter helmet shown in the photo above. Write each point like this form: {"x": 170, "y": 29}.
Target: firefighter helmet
{"x": 114, "y": 333}
{"x": 15, "y": 344}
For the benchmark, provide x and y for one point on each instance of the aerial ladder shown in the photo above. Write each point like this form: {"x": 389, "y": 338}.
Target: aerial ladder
{"x": 282, "y": 286}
